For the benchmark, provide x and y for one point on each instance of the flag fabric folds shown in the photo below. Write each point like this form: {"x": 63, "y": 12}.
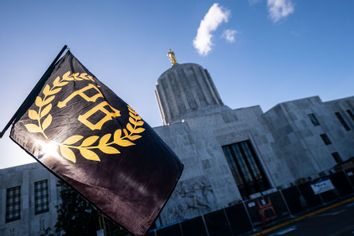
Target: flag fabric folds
{"x": 89, "y": 137}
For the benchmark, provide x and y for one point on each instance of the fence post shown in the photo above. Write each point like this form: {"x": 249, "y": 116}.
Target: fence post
{"x": 180, "y": 229}
{"x": 228, "y": 221}
{"x": 248, "y": 215}
{"x": 302, "y": 196}
{"x": 349, "y": 181}
{"x": 286, "y": 204}
{"x": 205, "y": 226}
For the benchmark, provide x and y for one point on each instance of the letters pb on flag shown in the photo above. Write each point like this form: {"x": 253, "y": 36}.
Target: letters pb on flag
{"x": 89, "y": 137}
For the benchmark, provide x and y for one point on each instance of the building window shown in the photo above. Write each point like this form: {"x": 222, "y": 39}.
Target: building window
{"x": 350, "y": 113}
{"x": 325, "y": 139}
{"x": 246, "y": 168}
{"x": 41, "y": 197}
{"x": 13, "y": 203}
{"x": 342, "y": 121}
{"x": 313, "y": 119}
{"x": 336, "y": 157}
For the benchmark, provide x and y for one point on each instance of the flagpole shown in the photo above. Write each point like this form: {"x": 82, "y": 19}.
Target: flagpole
{"x": 32, "y": 95}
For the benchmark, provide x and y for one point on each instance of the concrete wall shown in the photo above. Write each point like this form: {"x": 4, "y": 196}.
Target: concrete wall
{"x": 287, "y": 144}
{"x": 29, "y": 223}
{"x": 207, "y": 183}
{"x": 298, "y": 142}
{"x": 343, "y": 140}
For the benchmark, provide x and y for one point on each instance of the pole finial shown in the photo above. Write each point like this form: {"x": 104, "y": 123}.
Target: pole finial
{"x": 172, "y": 57}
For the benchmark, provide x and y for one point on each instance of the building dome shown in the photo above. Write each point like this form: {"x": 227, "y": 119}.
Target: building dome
{"x": 184, "y": 90}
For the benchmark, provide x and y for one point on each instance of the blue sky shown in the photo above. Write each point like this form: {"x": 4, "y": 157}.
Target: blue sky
{"x": 278, "y": 50}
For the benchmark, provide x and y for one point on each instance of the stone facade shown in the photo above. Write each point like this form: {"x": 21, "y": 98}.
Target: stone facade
{"x": 288, "y": 145}
{"x": 29, "y": 222}
{"x": 298, "y": 141}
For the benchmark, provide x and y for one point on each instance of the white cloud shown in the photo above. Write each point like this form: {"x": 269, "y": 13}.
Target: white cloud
{"x": 229, "y": 35}
{"x": 279, "y": 9}
{"x": 215, "y": 16}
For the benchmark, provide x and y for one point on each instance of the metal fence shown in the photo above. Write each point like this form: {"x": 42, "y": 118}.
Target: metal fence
{"x": 255, "y": 214}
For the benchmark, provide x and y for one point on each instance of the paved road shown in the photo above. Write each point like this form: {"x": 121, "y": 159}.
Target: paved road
{"x": 335, "y": 222}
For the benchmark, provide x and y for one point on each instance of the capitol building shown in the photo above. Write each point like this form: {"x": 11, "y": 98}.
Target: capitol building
{"x": 233, "y": 154}
{"x": 231, "y": 157}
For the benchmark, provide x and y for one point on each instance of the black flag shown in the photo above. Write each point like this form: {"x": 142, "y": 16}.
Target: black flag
{"x": 89, "y": 137}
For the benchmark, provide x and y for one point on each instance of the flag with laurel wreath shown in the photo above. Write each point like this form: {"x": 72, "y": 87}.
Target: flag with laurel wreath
{"x": 89, "y": 137}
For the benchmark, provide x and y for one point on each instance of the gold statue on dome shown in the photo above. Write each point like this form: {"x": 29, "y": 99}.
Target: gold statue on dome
{"x": 171, "y": 55}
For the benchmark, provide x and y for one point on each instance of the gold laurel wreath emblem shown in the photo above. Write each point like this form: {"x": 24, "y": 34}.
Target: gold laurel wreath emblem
{"x": 106, "y": 144}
